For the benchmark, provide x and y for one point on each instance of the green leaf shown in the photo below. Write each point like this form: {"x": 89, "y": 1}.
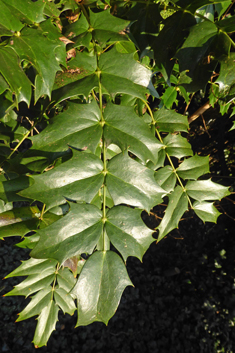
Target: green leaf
{"x": 127, "y": 232}
{"x": 227, "y": 24}
{"x": 177, "y": 205}
{"x": 8, "y": 19}
{"x": 166, "y": 178}
{"x": 171, "y": 37}
{"x": 46, "y": 324}
{"x": 206, "y": 190}
{"x": 107, "y": 28}
{"x": 34, "y": 283}
{"x": 84, "y": 64}
{"x": 125, "y": 129}
{"x": 177, "y": 146}
{"x": 193, "y": 167}
{"x": 66, "y": 279}
{"x": 18, "y": 221}
{"x": 77, "y": 179}
{"x": 35, "y": 45}
{"x": 38, "y": 302}
{"x": 82, "y": 130}
{"x": 14, "y": 75}
{"x": 76, "y": 233}
{"x": 64, "y": 301}
{"x": 99, "y": 287}
{"x": 226, "y": 79}
{"x": 169, "y": 97}
{"x": 33, "y": 267}
{"x": 26, "y": 10}
{"x": 193, "y": 5}
{"x": 131, "y": 183}
{"x": 120, "y": 73}
{"x": 170, "y": 121}
{"x": 9, "y": 188}
{"x": 206, "y": 211}
{"x": 195, "y": 58}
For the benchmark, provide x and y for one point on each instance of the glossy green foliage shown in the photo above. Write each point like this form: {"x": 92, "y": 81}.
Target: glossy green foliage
{"x": 74, "y": 87}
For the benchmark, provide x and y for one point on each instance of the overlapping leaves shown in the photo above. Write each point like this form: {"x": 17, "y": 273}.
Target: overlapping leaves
{"x": 97, "y": 164}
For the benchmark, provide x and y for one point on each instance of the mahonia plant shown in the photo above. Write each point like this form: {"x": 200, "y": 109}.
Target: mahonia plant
{"x": 82, "y": 152}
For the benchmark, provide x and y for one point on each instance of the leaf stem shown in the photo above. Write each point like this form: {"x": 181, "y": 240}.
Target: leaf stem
{"x": 167, "y": 155}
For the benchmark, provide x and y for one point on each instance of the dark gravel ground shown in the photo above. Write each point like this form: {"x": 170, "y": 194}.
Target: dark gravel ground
{"x": 183, "y": 300}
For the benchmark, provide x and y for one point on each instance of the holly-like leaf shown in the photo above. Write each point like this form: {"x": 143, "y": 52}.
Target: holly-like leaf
{"x": 226, "y": 79}
{"x": 26, "y": 10}
{"x": 227, "y": 24}
{"x": 206, "y": 190}
{"x": 193, "y": 167}
{"x": 203, "y": 40}
{"x": 177, "y": 146}
{"x": 34, "y": 283}
{"x": 125, "y": 129}
{"x": 120, "y": 73}
{"x": 46, "y": 324}
{"x": 127, "y": 232}
{"x": 166, "y": 178}
{"x": 18, "y": 221}
{"x": 171, "y": 37}
{"x": 76, "y": 233}
{"x": 33, "y": 267}
{"x": 64, "y": 301}
{"x": 78, "y": 179}
{"x": 14, "y": 75}
{"x": 206, "y": 211}
{"x": 99, "y": 287}
{"x": 82, "y": 130}
{"x": 131, "y": 183}
{"x": 35, "y": 46}
{"x": 177, "y": 205}
{"x": 170, "y": 121}
{"x": 9, "y": 189}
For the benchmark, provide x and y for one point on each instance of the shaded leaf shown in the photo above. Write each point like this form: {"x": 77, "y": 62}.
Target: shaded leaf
{"x": 99, "y": 287}
{"x": 18, "y": 221}
{"x": 226, "y": 79}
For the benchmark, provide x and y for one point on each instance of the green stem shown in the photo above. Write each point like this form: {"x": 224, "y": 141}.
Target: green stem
{"x": 104, "y": 243}
{"x": 167, "y": 155}
{"x": 21, "y": 141}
